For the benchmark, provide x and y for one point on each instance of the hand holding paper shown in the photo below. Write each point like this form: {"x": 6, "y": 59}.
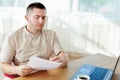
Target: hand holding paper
{"x": 42, "y": 64}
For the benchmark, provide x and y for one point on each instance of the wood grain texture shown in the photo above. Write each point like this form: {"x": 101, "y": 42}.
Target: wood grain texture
{"x": 67, "y": 72}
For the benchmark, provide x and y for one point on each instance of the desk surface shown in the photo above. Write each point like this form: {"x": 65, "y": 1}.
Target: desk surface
{"x": 73, "y": 66}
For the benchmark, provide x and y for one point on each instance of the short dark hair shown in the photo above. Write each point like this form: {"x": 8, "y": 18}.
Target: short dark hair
{"x": 35, "y": 5}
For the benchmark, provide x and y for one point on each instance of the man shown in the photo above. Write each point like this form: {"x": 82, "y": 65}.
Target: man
{"x": 30, "y": 40}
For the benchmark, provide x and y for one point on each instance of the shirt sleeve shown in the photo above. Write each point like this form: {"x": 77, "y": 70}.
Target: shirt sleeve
{"x": 7, "y": 51}
{"x": 57, "y": 46}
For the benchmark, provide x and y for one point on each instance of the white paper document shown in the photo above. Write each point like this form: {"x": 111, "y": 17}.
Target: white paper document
{"x": 42, "y": 64}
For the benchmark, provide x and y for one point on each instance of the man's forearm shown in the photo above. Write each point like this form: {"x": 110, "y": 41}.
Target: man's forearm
{"x": 8, "y": 68}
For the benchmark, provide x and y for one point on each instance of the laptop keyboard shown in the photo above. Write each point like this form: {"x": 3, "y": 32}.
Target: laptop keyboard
{"x": 98, "y": 74}
{"x": 95, "y": 73}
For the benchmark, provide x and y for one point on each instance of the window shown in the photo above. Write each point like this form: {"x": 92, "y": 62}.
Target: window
{"x": 90, "y": 25}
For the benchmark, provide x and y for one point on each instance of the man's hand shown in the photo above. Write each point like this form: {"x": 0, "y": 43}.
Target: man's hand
{"x": 23, "y": 70}
{"x": 57, "y": 59}
{"x": 62, "y": 58}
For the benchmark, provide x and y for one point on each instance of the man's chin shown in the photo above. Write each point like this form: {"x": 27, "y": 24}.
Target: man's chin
{"x": 39, "y": 28}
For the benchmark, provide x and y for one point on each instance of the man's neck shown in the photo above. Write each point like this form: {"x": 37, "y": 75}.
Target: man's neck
{"x": 31, "y": 30}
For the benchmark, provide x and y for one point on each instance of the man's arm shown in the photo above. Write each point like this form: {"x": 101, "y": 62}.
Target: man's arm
{"x": 12, "y": 70}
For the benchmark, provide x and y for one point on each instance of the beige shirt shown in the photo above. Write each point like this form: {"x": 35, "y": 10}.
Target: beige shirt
{"x": 19, "y": 46}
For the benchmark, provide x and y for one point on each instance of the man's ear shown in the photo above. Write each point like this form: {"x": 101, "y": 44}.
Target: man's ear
{"x": 26, "y": 17}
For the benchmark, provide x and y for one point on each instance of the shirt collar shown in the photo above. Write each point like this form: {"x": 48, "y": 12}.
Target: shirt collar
{"x": 27, "y": 33}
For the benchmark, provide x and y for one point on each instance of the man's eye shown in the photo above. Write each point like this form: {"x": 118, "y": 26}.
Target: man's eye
{"x": 43, "y": 18}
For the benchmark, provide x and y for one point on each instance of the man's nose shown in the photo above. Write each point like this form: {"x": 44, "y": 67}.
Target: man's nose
{"x": 40, "y": 20}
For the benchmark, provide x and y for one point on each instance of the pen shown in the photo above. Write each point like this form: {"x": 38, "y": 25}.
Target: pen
{"x": 59, "y": 53}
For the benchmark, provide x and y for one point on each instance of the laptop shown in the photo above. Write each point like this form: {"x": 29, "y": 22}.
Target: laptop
{"x": 95, "y": 72}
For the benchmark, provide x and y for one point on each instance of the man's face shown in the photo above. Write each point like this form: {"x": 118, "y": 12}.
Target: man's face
{"x": 36, "y": 19}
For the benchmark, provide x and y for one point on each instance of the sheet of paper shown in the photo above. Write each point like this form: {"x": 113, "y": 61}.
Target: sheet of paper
{"x": 42, "y": 64}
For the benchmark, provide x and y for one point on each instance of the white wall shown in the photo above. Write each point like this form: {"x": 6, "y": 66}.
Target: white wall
{"x": 82, "y": 26}
{"x": 86, "y": 33}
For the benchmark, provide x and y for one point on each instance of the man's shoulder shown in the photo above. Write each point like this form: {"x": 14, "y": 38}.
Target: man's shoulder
{"x": 16, "y": 32}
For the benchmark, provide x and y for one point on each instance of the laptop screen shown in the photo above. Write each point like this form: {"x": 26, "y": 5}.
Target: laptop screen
{"x": 116, "y": 65}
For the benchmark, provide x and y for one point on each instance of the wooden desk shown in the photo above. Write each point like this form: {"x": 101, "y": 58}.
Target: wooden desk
{"x": 66, "y": 73}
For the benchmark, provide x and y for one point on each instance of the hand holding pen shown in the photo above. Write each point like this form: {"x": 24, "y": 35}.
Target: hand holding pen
{"x": 56, "y": 58}
{"x": 60, "y": 57}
